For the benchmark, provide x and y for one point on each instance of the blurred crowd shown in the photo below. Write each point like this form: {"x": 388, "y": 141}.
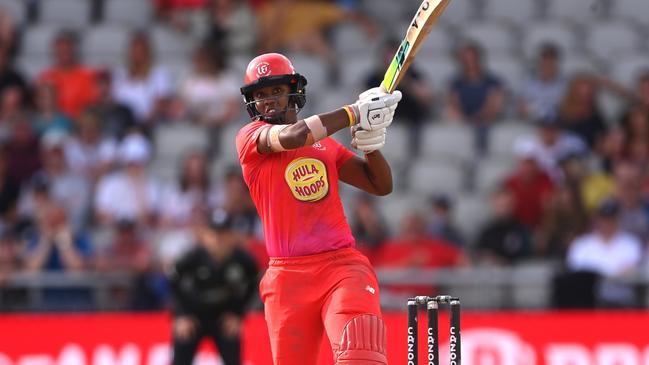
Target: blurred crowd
{"x": 77, "y": 193}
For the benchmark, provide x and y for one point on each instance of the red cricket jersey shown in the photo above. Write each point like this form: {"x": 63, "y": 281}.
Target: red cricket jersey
{"x": 296, "y": 194}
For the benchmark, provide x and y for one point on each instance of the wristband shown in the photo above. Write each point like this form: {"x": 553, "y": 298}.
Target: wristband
{"x": 350, "y": 114}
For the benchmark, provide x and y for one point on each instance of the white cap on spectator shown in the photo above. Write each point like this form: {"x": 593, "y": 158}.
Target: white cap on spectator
{"x": 527, "y": 148}
{"x": 53, "y": 138}
{"x": 134, "y": 149}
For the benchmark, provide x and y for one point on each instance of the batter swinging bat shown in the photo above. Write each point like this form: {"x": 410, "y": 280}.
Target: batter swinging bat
{"x": 421, "y": 24}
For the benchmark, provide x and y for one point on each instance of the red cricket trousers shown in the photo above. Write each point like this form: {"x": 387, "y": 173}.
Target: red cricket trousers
{"x": 306, "y": 296}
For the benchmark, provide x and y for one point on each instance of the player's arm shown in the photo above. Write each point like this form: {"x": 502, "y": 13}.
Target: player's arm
{"x": 371, "y": 174}
{"x": 372, "y": 112}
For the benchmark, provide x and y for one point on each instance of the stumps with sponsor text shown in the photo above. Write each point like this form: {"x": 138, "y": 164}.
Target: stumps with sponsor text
{"x": 432, "y": 333}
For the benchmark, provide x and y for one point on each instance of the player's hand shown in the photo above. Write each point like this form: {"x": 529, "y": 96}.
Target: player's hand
{"x": 375, "y": 109}
{"x": 368, "y": 141}
{"x": 184, "y": 328}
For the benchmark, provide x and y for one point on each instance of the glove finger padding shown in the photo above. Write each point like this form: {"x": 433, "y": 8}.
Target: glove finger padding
{"x": 371, "y": 92}
{"x": 368, "y": 141}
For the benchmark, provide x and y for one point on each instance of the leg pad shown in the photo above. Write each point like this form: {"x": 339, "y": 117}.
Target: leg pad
{"x": 363, "y": 342}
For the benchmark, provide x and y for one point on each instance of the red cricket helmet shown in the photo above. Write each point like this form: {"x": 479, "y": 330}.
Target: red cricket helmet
{"x": 268, "y": 70}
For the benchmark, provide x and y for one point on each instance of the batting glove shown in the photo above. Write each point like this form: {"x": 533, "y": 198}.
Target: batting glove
{"x": 368, "y": 141}
{"x": 375, "y": 109}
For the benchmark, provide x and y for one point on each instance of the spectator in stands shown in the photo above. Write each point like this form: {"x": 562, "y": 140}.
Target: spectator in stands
{"x": 418, "y": 97}
{"x": 553, "y": 144}
{"x": 74, "y": 83}
{"x": 142, "y": 85}
{"x": 441, "y": 223}
{"x": 503, "y": 240}
{"x": 192, "y": 193}
{"x": 10, "y": 260}
{"x": 87, "y": 152}
{"x": 47, "y": 117}
{"x": 633, "y": 215}
{"x": 209, "y": 299}
{"x": 543, "y": 91}
{"x": 67, "y": 189}
{"x": 475, "y": 95}
{"x": 529, "y": 185}
{"x": 11, "y": 106}
{"x": 7, "y": 33}
{"x": 234, "y": 198}
{"x": 210, "y": 93}
{"x": 129, "y": 193}
{"x": 633, "y": 144}
{"x": 233, "y": 25}
{"x": 368, "y": 224}
{"x": 183, "y": 15}
{"x": 9, "y": 76}
{"x": 564, "y": 218}
{"x": 9, "y": 192}
{"x": 55, "y": 246}
{"x": 22, "y": 150}
{"x": 608, "y": 251}
{"x": 116, "y": 118}
{"x": 579, "y": 112}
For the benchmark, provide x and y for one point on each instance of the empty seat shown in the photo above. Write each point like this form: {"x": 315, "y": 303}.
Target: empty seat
{"x": 490, "y": 173}
{"x": 32, "y": 66}
{"x": 396, "y": 206}
{"x": 493, "y": 37}
{"x": 355, "y": 71}
{"x": 220, "y": 166}
{"x": 443, "y": 141}
{"x": 576, "y": 11}
{"x": 428, "y": 177}
{"x": 561, "y": 35}
{"x": 169, "y": 43}
{"x": 518, "y": 12}
{"x": 572, "y": 64}
{"x": 385, "y": 11}
{"x": 438, "y": 43}
{"x": 508, "y": 69}
{"x": 397, "y": 143}
{"x": 458, "y": 12}
{"x": 470, "y": 213}
{"x": 37, "y": 41}
{"x": 635, "y": 10}
{"x": 128, "y": 12}
{"x": 627, "y": 69}
{"x": 438, "y": 71}
{"x": 503, "y": 135}
{"x": 610, "y": 40}
{"x": 16, "y": 9}
{"x": 228, "y": 144}
{"x": 105, "y": 44}
{"x": 69, "y": 13}
{"x": 350, "y": 39}
{"x": 173, "y": 141}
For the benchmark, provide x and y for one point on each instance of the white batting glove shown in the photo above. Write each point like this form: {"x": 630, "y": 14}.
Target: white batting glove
{"x": 375, "y": 109}
{"x": 368, "y": 141}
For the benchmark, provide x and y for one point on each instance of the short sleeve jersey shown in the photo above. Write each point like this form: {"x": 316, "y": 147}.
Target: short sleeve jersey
{"x": 296, "y": 194}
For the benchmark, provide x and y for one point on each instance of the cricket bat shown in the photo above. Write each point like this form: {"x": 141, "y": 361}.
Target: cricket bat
{"x": 421, "y": 24}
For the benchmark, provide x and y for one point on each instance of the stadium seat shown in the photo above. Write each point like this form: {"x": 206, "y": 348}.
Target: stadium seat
{"x": 572, "y": 64}
{"x": 396, "y": 206}
{"x": 503, "y": 135}
{"x": 470, "y": 212}
{"x": 386, "y": 11}
{"x": 32, "y": 66}
{"x": 438, "y": 70}
{"x": 626, "y": 69}
{"x": 37, "y": 41}
{"x": 128, "y": 12}
{"x": 493, "y": 37}
{"x": 518, "y": 12}
{"x": 452, "y": 142}
{"x": 228, "y": 145}
{"x": 576, "y": 11}
{"x": 634, "y": 10}
{"x": 355, "y": 71}
{"x": 350, "y": 39}
{"x": 436, "y": 176}
{"x": 68, "y": 13}
{"x": 169, "y": 43}
{"x": 16, "y": 9}
{"x": 610, "y": 40}
{"x": 105, "y": 45}
{"x": 439, "y": 43}
{"x": 508, "y": 69}
{"x": 561, "y": 35}
{"x": 174, "y": 140}
{"x": 165, "y": 170}
{"x": 313, "y": 68}
{"x": 490, "y": 172}
{"x": 397, "y": 144}
{"x": 457, "y": 12}
{"x": 219, "y": 167}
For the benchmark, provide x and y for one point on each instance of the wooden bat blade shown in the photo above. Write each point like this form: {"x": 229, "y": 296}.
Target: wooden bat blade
{"x": 427, "y": 14}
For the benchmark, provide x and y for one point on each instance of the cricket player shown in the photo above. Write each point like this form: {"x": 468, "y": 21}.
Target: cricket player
{"x": 317, "y": 282}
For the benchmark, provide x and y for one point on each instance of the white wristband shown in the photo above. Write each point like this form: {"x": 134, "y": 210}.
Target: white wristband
{"x": 273, "y": 137}
{"x": 318, "y": 130}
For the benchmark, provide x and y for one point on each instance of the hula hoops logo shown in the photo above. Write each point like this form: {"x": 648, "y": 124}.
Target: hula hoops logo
{"x": 307, "y": 179}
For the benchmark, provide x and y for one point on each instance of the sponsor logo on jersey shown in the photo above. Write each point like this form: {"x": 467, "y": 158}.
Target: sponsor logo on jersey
{"x": 307, "y": 179}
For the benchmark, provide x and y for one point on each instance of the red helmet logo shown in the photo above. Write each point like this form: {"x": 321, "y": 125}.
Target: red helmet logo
{"x": 269, "y": 64}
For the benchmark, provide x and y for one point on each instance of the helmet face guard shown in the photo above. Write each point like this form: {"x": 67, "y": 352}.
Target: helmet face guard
{"x": 297, "y": 95}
